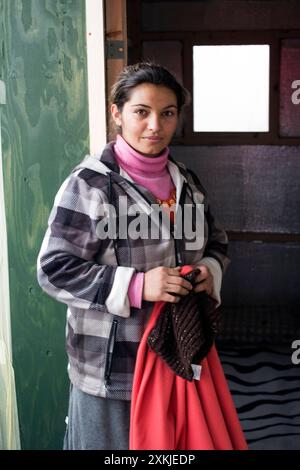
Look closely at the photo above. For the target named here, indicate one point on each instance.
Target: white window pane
(231, 88)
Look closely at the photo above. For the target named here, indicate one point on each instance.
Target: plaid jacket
(92, 275)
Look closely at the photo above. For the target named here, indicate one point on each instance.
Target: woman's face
(148, 119)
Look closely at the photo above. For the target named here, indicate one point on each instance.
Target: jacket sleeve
(66, 266)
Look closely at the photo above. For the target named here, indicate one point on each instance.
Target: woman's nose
(154, 123)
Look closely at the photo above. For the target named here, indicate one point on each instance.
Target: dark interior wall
(253, 188)
(44, 134)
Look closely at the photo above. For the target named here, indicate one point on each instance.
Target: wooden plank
(264, 237)
(45, 133)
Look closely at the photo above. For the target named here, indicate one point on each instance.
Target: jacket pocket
(110, 352)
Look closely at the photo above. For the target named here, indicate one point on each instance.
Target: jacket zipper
(109, 352)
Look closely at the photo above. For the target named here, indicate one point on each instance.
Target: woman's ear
(116, 115)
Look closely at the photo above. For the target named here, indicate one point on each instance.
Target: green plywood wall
(44, 134)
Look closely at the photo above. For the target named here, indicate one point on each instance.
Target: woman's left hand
(204, 280)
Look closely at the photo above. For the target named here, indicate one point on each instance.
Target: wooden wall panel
(45, 133)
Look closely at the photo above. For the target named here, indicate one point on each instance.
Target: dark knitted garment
(185, 331)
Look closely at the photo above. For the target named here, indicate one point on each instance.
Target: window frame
(189, 39)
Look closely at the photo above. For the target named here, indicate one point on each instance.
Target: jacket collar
(105, 163)
(107, 157)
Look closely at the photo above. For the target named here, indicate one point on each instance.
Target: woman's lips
(153, 138)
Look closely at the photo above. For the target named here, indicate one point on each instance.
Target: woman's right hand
(162, 283)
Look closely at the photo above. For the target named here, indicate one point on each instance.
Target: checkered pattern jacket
(92, 275)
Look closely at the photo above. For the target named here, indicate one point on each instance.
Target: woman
(96, 258)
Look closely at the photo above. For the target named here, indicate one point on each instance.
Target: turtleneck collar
(136, 163)
(150, 172)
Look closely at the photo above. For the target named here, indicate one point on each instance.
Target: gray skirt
(96, 423)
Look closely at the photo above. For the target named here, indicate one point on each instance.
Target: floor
(256, 353)
(265, 386)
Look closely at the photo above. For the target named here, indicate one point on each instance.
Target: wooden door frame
(96, 74)
(115, 50)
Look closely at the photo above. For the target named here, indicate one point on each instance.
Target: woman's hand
(162, 283)
(204, 280)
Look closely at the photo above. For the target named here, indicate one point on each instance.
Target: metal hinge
(115, 49)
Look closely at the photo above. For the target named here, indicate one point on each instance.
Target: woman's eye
(141, 112)
(168, 113)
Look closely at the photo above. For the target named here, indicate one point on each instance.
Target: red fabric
(170, 413)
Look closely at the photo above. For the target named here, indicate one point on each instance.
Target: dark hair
(146, 72)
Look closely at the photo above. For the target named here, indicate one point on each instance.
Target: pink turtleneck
(153, 174)
(150, 172)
